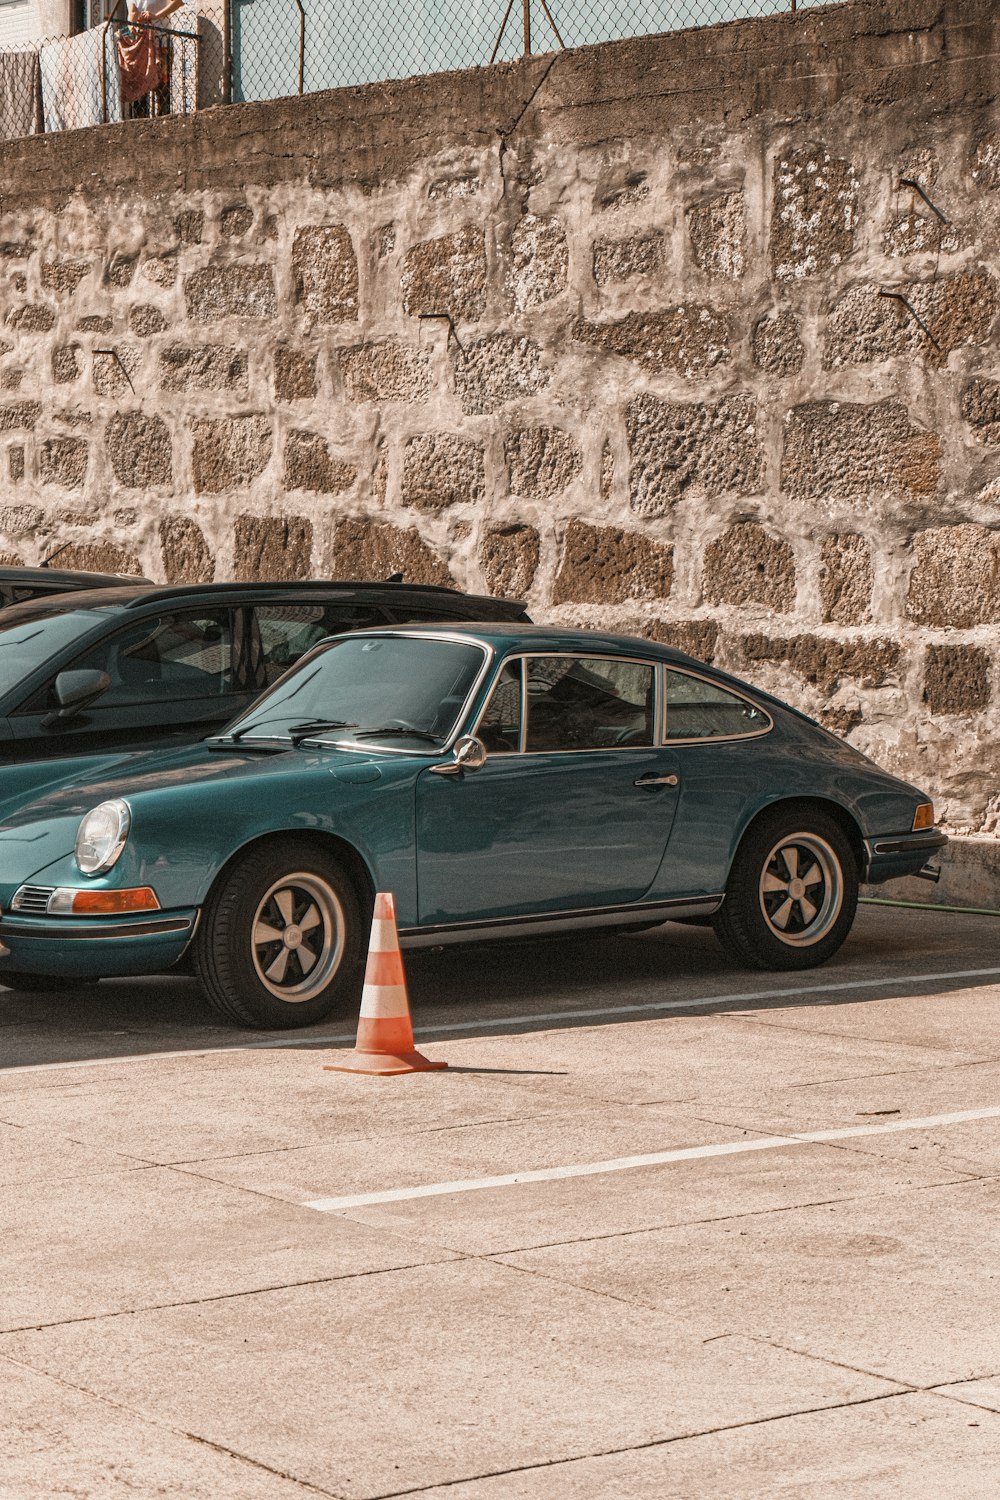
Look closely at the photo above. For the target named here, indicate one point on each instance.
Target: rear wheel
(281, 939)
(792, 892)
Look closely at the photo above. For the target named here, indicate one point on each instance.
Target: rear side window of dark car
(287, 631)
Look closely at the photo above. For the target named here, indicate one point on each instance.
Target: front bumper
(95, 947)
(890, 856)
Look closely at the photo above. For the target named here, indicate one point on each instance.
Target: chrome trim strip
(909, 844)
(68, 930)
(558, 921)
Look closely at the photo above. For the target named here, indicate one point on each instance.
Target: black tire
(30, 984)
(792, 892)
(290, 888)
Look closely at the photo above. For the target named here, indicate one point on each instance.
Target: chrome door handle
(656, 781)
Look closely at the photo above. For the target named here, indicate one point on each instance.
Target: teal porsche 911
(498, 779)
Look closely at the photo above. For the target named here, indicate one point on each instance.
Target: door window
(588, 703)
(500, 727)
(701, 710)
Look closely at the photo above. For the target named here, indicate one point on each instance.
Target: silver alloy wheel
(298, 933)
(801, 889)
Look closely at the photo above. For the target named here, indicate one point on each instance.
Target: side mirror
(469, 754)
(75, 690)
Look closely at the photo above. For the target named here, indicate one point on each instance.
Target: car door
(172, 679)
(573, 807)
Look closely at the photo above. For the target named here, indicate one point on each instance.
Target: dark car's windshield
(27, 644)
(387, 688)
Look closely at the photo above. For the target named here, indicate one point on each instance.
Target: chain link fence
(120, 70)
(282, 47)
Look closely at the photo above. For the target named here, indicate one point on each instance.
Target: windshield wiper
(395, 732)
(299, 732)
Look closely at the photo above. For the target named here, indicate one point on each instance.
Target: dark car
(18, 585)
(121, 669)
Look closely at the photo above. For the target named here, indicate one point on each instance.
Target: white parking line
(488, 1023)
(653, 1159)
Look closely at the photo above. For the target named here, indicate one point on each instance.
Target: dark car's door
(573, 808)
(173, 678)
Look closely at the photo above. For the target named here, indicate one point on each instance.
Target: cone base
(383, 1063)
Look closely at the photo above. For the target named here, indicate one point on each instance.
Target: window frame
(524, 657)
(707, 739)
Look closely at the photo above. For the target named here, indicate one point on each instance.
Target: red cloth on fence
(139, 57)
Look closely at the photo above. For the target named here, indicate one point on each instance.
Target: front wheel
(281, 939)
(792, 893)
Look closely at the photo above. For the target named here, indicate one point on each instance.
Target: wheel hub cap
(801, 889)
(297, 937)
(292, 936)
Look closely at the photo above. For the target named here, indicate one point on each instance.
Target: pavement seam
(252, 1291)
(664, 1442)
(154, 1422)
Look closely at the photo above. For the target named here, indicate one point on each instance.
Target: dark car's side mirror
(74, 691)
(469, 754)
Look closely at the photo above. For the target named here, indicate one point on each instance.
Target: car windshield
(27, 644)
(405, 689)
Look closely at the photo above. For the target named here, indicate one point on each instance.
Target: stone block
(294, 375)
(956, 577)
(275, 548)
(373, 549)
(139, 450)
(114, 370)
(240, 290)
(63, 275)
(748, 565)
(309, 465)
(204, 367)
(718, 232)
(10, 380)
(607, 471)
(981, 408)
(501, 368)
(19, 414)
(508, 556)
(539, 261)
(955, 310)
(385, 240)
(235, 221)
(189, 226)
(120, 270)
(697, 638)
(703, 449)
(619, 260)
(100, 557)
(65, 363)
(840, 718)
(161, 270)
(846, 579)
(20, 520)
(689, 340)
(606, 565)
(94, 323)
(15, 464)
(825, 662)
(815, 213)
(440, 470)
(857, 453)
(541, 462)
(447, 275)
(386, 371)
(325, 272)
(984, 160)
(35, 317)
(187, 557)
(919, 232)
(63, 461)
(229, 453)
(957, 679)
(775, 344)
(144, 321)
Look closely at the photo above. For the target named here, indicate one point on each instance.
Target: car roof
(503, 634)
(134, 595)
(67, 578)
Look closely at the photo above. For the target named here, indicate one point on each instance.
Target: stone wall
(692, 336)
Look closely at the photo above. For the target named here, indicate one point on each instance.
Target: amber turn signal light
(102, 903)
(924, 816)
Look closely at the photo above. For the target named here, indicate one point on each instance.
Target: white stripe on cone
(384, 1002)
(384, 938)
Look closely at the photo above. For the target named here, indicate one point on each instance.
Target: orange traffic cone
(385, 1034)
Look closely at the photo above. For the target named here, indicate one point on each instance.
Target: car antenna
(55, 554)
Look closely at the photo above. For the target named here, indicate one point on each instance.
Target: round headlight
(102, 836)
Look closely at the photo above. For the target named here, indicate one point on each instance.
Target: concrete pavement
(759, 1318)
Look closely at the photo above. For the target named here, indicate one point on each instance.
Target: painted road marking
(653, 1159)
(433, 1030)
